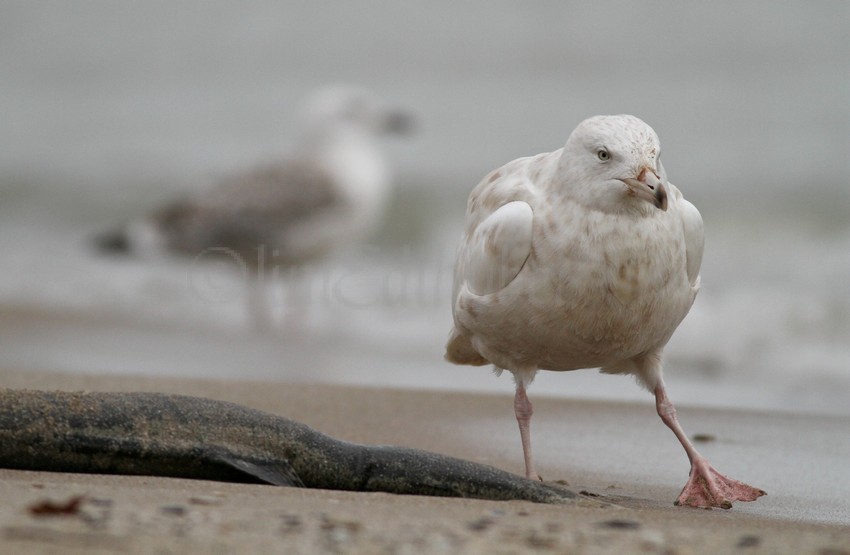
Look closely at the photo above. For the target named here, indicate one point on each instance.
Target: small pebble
(619, 524)
(537, 541)
(481, 524)
(48, 507)
(749, 541)
(553, 527)
(173, 510)
(205, 500)
(290, 524)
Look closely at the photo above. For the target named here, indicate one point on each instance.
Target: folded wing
(694, 240)
(497, 249)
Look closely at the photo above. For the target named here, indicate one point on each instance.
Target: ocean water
(108, 109)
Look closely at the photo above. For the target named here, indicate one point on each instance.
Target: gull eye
(603, 155)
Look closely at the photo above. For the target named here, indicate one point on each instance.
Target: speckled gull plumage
(585, 257)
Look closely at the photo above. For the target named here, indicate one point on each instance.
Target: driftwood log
(190, 437)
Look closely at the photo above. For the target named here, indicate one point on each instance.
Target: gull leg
(706, 487)
(524, 410)
(296, 301)
(257, 305)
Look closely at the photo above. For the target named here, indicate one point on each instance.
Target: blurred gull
(330, 191)
(586, 257)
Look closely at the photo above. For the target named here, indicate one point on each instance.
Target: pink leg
(524, 410)
(706, 487)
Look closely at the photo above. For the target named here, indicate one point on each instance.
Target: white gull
(585, 257)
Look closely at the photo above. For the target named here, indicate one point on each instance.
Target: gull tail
(459, 350)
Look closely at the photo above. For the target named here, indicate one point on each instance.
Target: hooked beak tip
(661, 197)
(650, 190)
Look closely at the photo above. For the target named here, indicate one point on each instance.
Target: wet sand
(618, 452)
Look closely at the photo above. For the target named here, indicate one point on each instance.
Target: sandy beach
(616, 452)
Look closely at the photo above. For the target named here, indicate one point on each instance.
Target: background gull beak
(399, 122)
(648, 187)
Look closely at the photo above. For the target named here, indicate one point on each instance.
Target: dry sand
(619, 452)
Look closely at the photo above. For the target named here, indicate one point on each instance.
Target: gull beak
(648, 187)
(398, 122)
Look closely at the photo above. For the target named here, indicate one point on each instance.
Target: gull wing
(251, 209)
(694, 240)
(496, 250)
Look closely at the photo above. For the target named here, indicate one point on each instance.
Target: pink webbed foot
(708, 488)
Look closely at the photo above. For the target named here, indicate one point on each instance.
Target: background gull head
(348, 106)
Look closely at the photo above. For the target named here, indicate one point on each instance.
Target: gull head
(353, 107)
(620, 154)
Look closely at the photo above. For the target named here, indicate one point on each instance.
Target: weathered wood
(190, 437)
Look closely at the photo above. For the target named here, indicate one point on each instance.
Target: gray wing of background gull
(292, 209)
